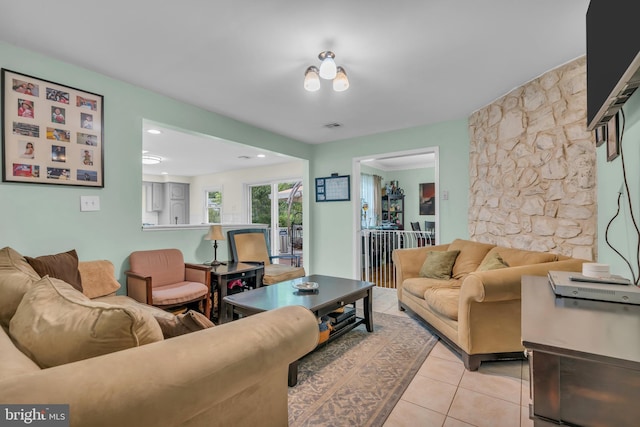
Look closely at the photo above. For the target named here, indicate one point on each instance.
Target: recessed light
(154, 131)
(262, 156)
(164, 173)
(151, 160)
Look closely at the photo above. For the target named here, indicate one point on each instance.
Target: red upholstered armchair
(162, 278)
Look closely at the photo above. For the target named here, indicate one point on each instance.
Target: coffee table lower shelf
(333, 293)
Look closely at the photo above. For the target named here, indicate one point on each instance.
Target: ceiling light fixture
(328, 68)
(311, 79)
(154, 131)
(151, 160)
(341, 82)
(328, 71)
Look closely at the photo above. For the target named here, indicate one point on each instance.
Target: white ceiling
(409, 62)
(404, 162)
(189, 154)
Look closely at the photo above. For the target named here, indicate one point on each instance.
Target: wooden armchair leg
(207, 307)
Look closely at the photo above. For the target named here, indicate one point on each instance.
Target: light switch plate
(89, 203)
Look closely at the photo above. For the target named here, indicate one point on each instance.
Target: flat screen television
(613, 57)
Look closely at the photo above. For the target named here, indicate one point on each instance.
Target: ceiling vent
(332, 125)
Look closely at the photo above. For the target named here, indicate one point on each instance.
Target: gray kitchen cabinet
(176, 204)
(154, 192)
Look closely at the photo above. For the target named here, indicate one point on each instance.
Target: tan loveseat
(477, 310)
(228, 375)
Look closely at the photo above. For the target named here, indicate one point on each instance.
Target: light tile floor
(445, 394)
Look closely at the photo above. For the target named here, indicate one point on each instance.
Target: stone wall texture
(533, 167)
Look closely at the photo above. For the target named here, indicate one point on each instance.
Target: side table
(584, 358)
(222, 274)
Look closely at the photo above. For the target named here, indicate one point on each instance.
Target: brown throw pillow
(63, 266)
(185, 323)
(493, 261)
(439, 264)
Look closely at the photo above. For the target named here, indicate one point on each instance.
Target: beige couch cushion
(98, 278)
(493, 261)
(14, 362)
(438, 264)
(517, 257)
(63, 266)
(443, 300)
(55, 324)
(16, 277)
(170, 324)
(471, 255)
(417, 286)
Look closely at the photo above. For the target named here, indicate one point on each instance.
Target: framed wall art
(601, 135)
(51, 133)
(427, 192)
(334, 188)
(613, 143)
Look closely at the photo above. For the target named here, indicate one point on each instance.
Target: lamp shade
(311, 79)
(328, 68)
(341, 82)
(215, 233)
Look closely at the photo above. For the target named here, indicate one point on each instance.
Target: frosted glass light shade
(328, 67)
(341, 82)
(151, 160)
(311, 79)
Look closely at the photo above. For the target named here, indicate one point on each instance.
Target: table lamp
(215, 234)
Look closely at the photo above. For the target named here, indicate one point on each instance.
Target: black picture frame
(600, 135)
(613, 142)
(334, 188)
(51, 133)
(427, 198)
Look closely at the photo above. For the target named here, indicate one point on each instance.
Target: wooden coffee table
(332, 294)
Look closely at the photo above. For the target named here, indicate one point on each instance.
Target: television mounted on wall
(613, 57)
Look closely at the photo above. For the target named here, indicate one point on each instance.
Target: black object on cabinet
(393, 209)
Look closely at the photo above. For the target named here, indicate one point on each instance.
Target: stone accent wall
(533, 167)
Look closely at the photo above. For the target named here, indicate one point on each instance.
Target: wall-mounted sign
(334, 188)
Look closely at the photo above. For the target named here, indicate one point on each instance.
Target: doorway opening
(388, 190)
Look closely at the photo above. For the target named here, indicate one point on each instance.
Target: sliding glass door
(278, 205)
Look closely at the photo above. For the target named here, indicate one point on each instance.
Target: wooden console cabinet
(584, 358)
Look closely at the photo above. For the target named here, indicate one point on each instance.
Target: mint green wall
(622, 233)
(409, 181)
(332, 231)
(44, 219)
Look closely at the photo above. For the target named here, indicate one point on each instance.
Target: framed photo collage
(51, 134)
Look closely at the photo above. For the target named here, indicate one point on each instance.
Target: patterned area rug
(357, 379)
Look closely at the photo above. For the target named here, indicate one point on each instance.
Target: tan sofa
(231, 374)
(477, 310)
